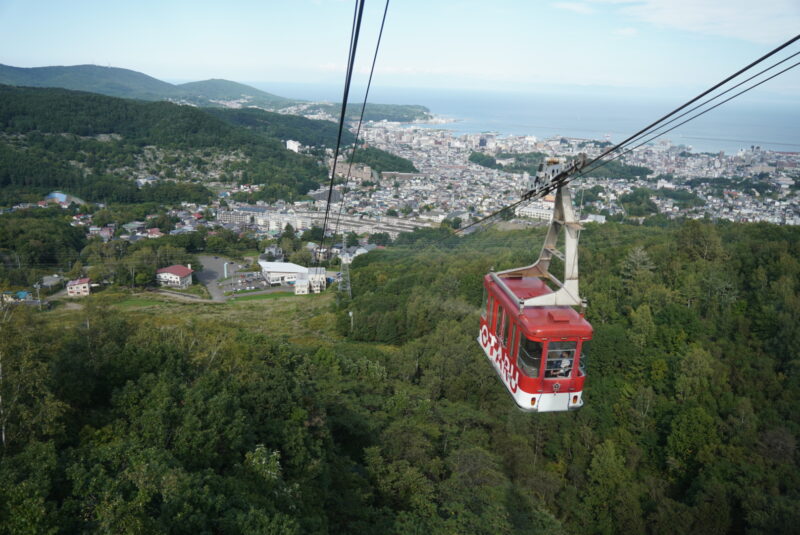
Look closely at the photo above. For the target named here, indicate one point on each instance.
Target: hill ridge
(128, 83)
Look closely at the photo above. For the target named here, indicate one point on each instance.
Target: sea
(755, 119)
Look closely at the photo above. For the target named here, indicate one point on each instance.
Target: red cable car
(529, 331)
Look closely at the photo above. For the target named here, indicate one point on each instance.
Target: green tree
(692, 440)
(380, 238)
(301, 257)
(613, 498)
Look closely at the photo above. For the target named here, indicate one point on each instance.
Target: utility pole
(2, 407)
(6, 315)
(344, 283)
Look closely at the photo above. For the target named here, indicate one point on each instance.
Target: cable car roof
(547, 322)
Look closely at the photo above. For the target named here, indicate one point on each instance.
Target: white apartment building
(281, 272)
(537, 210)
(312, 281)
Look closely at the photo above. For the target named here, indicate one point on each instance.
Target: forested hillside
(142, 416)
(309, 132)
(92, 146)
(374, 112)
(125, 83)
(380, 160)
(690, 423)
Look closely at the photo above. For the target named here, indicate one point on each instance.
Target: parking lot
(244, 281)
(225, 279)
(219, 275)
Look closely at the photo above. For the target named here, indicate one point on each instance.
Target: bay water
(757, 118)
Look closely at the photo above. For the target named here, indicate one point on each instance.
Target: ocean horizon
(755, 119)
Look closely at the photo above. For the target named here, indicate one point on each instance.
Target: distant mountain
(215, 93)
(109, 81)
(402, 113)
(125, 83)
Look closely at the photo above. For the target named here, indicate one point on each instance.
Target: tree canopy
(381, 414)
(93, 145)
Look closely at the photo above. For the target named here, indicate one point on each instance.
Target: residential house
(15, 297)
(146, 181)
(175, 276)
(106, 233)
(79, 287)
(134, 227)
(275, 252)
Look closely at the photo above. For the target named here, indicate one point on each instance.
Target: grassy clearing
(195, 289)
(138, 302)
(250, 253)
(306, 320)
(243, 292)
(261, 297)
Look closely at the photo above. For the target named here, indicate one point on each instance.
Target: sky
(617, 46)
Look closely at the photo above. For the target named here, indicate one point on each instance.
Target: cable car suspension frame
(567, 293)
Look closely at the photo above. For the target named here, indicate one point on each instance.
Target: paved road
(213, 271)
(58, 295)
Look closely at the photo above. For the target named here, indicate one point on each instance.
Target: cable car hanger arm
(557, 180)
(567, 292)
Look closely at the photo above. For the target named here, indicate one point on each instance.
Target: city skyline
(510, 45)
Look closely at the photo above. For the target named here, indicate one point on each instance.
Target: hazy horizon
(659, 45)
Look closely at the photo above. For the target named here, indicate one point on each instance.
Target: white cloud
(766, 21)
(626, 32)
(331, 66)
(575, 7)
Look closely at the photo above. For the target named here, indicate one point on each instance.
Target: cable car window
(530, 357)
(503, 332)
(512, 339)
(560, 356)
(487, 300)
(583, 361)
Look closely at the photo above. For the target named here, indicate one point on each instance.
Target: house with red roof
(176, 276)
(79, 287)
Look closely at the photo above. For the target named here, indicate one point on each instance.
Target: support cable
(361, 119)
(565, 178)
(348, 78)
(601, 164)
(712, 99)
(698, 97)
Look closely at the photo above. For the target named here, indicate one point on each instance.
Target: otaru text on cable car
(529, 328)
